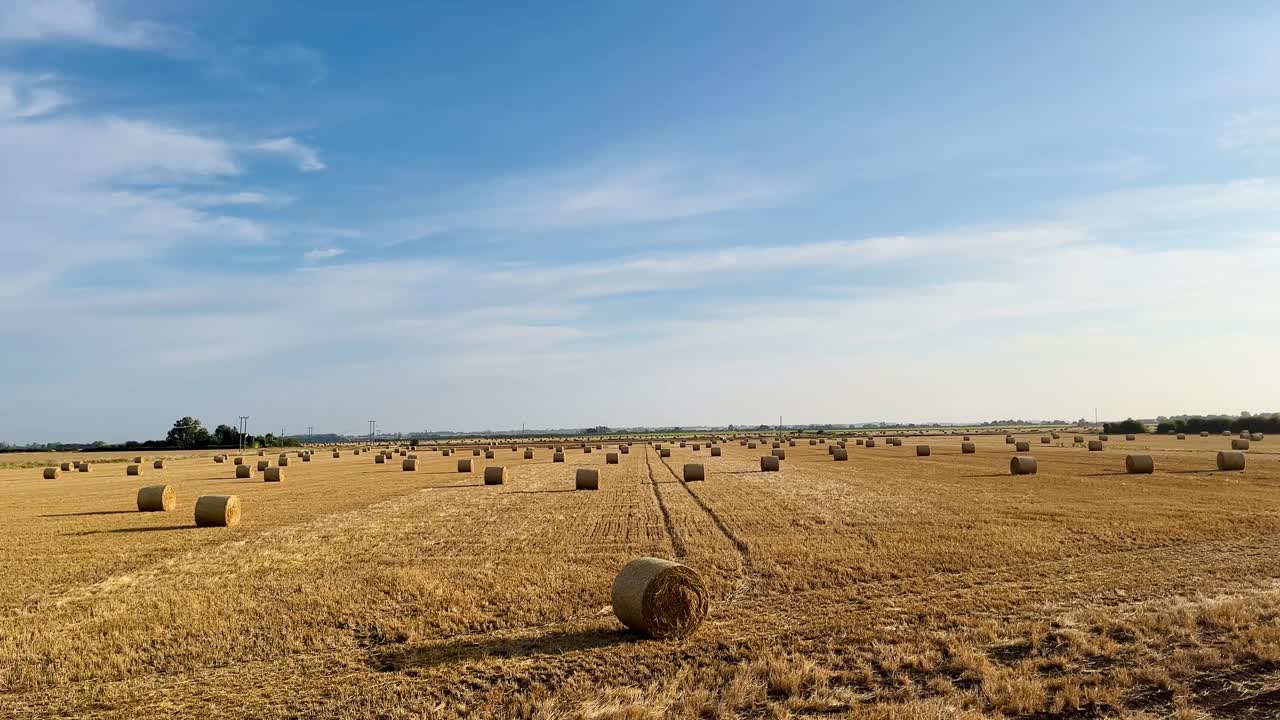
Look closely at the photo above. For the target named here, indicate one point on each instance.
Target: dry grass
(882, 587)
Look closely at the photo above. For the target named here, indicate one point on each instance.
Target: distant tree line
(1124, 427)
(1219, 423)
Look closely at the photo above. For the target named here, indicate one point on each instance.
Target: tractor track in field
(677, 542)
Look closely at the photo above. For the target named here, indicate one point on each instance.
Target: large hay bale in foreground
(52, 473)
(409, 464)
(218, 510)
(243, 471)
(611, 458)
(694, 472)
(1139, 464)
(157, 498)
(1022, 446)
(923, 451)
(840, 455)
(133, 470)
(716, 452)
(1023, 465)
(586, 479)
(968, 448)
(1230, 460)
(1238, 444)
(273, 474)
(464, 465)
(1095, 446)
(660, 598)
(769, 463)
(495, 475)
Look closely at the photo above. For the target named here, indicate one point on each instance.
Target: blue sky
(473, 216)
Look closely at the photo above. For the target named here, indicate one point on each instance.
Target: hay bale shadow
(90, 513)
(403, 659)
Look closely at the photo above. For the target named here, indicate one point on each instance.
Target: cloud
(306, 159)
(77, 21)
(28, 96)
(323, 254)
(1168, 203)
(1251, 131)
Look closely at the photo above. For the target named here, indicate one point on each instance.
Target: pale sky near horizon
(472, 216)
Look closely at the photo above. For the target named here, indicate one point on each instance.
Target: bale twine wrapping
(558, 456)
(769, 463)
(157, 498)
(715, 452)
(923, 451)
(611, 458)
(1095, 446)
(133, 470)
(660, 598)
(52, 473)
(840, 455)
(968, 448)
(586, 479)
(464, 465)
(664, 452)
(218, 510)
(693, 472)
(1230, 460)
(1238, 444)
(1022, 446)
(780, 454)
(1023, 465)
(495, 475)
(409, 464)
(1139, 464)
(273, 474)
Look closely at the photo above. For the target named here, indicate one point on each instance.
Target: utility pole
(309, 429)
(373, 429)
(244, 429)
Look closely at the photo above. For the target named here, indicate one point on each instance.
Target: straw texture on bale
(1139, 464)
(133, 470)
(611, 458)
(1023, 465)
(495, 475)
(694, 472)
(586, 479)
(923, 451)
(158, 465)
(273, 474)
(52, 473)
(664, 452)
(243, 471)
(968, 448)
(409, 464)
(660, 598)
(558, 456)
(769, 463)
(715, 452)
(263, 465)
(218, 510)
(780, 454)
(156, 498)
(1230, 460)
(840, 454)
(283, 460)
(1022, 446)
(380, 459)
(1238, 444)
(1095, 445)
(464, 465)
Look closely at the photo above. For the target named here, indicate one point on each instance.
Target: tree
(226, 435)
(187, 433)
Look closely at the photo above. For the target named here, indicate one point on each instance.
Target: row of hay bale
(210, 510)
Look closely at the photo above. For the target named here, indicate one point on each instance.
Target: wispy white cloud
(323, 254)
(78, 21)
(27, 96)
(1165, 203)
(306, 158)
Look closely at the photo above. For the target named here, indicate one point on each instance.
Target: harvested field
(883, 586)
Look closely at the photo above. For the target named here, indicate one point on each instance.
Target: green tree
(187, 432)
(226, 435)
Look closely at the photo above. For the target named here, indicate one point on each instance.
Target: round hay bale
(791, 443)
(139, 459)
(380, 459)
(1226, 433)
(475, 452)
(1104, 438)
(1022, 446)
(697, 447)
(813, 442)
(897, 442)
(966, 438)
(664, 452)
(586, 479)
(1095, 446)
(1055, 436)
(445, 452)
(1230, 460)
(751, 446)
(219, 458)
(831, 449)
(67, 467)
(682, 445)
(52, 473)
(1045, 439)
(263, 465)
(273, 474)
(862, 441)
(769, 463)
(84, 467)
(660, 598)
(133, 470)
(1244, 435)
(558, 456)
(586, 450)
(464, 465)
(1078, 439)
(871, 442)
(624, 449)
(306, 458)
(409, 464)
(1238, 444)
(1023, 465)
(780, 454)
(1130, 437)
(495, 475)
(157, 465)
(528, 454)
(243, 471)
(742, 442)
(1009, 440)
(694, 472)
(715, 452)
(840, 455)
(1256, 437)
(1183, 436)
(488, 455)
(157, 498)
(218, 510)
(283, 460)
(923, 451)
(777, 445)
(238, 461)
(611, 458)
(1204, 433)
(337, 454)
(968, 448)
(1139, 464)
